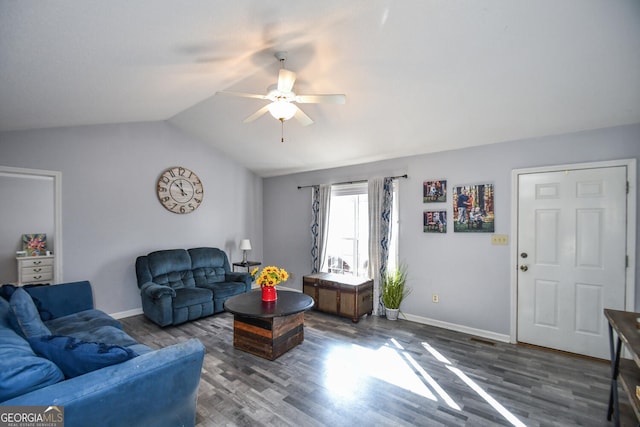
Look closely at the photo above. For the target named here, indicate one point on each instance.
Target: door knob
(524, 267)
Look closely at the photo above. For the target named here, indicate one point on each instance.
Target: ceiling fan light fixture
(282, 110)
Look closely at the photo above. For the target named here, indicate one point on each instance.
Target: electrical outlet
(499, 239)
(435, 298)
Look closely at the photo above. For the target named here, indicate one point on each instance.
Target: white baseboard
(458, 328)
(412, 318)
(128, 313)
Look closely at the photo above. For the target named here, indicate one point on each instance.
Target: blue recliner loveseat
(178, 285)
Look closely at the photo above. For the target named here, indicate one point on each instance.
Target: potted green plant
(394, 290)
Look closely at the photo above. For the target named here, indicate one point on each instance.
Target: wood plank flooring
(383, 373)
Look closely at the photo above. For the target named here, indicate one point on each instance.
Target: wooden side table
(249, 265)
(627, 371)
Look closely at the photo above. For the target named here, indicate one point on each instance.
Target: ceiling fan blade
(286, 79)
(322, 99)
(241, 94)
(302, 117)
(257, 114)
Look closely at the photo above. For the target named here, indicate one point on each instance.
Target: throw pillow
(21, 371)
(26, 314)
(75, 357)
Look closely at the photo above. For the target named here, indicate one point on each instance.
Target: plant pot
(392, 313)
(269, 293)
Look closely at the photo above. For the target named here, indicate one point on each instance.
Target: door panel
(572, 248)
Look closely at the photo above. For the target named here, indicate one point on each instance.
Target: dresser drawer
(45, 269)
(36, 262)
(37, 277)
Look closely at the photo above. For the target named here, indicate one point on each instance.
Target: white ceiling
(420, 75)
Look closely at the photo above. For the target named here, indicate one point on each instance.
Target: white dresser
(35, 269)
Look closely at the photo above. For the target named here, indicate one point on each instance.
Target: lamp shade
(282, 110)
(245, 245)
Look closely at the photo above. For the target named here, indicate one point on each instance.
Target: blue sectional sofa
(178, 285)
(57, 350)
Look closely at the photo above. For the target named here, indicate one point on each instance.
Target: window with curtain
(348, 231)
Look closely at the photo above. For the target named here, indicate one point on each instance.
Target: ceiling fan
(283, 98)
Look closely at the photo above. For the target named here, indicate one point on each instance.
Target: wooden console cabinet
(346, 296)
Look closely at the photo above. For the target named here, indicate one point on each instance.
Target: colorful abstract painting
(34, 244)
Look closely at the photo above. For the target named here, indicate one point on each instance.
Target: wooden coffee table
(268, 329)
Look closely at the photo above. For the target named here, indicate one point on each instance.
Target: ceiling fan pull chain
(281, 130)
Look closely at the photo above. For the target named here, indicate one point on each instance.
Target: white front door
(571, 257)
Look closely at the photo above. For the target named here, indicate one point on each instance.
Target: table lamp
(245, 245)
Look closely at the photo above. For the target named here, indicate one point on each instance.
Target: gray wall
(110, 211)
(471, 276)
(27, 207)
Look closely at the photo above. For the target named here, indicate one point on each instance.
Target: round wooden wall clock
(180, 190)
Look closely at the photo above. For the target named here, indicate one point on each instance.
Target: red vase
(269, 293)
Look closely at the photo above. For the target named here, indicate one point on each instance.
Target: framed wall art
(434, 221)
(434, 191)
(34, 244)
(473, 208)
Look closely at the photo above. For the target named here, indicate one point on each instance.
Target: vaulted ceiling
(420, 75)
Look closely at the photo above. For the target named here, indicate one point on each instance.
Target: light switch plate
(499, 239)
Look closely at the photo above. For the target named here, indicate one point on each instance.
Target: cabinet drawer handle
(37, 277)
(37, 270)
(37, 262)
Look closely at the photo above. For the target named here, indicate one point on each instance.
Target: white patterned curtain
(380, 208)
(320, 204)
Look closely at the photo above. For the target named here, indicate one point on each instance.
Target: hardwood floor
(383, 373)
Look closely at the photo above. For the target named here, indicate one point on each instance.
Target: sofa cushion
(27, 315)
(75, 357)
(105, 334)
(21, 371)
(171, 267)
(208, 257)
(225, 290)
(209, 265)
(83, 321)
(191, 296)
(208, 275)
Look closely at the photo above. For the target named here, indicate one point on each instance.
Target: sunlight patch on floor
(348, 367)
(474, 386)
(432, 382)
(486, 396)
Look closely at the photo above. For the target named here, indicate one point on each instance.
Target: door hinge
(626, 261)
(627, 187)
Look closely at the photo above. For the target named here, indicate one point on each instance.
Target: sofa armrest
(159, 388)
(156, 291)
(239, 277)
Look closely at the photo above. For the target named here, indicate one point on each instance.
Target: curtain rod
(353, 182)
